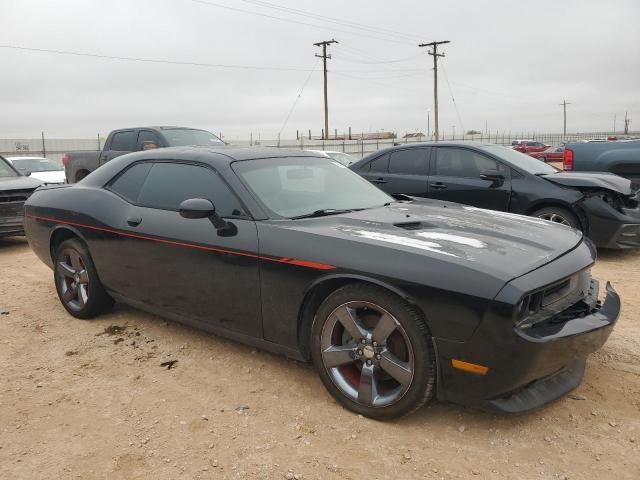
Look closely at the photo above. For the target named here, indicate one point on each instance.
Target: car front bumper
(610, 228)
(526, 368)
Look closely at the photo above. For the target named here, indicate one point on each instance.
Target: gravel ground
(89, 399)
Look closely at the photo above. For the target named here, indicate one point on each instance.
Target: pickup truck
(79, 164)
(619, 157)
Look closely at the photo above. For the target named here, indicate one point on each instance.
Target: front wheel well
(317, 294)
(582, 218)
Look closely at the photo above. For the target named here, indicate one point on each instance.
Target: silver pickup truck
(79, 164)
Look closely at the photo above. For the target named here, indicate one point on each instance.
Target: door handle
(438, 186)
(379, 181)
(134, 221)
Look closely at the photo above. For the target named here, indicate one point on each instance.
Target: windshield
(5, 169)
(344, 158)
(296, 186)
(36, 164)
(188, 137)
(521, 160)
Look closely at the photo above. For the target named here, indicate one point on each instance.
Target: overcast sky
(509, 64)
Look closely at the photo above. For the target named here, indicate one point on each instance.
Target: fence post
(99, 147)
(44, 150)
(278, 140)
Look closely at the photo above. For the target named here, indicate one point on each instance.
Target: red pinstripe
(288, 261)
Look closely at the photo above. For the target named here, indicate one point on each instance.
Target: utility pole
(614, 123)
(435, 54)
(324, 58)
(627, 121)
(564, 106)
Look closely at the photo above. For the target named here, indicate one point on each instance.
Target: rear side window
(460, 162)
(168, 184)
(123, 141)
(380, 164)
(129, 184)
(409, 161)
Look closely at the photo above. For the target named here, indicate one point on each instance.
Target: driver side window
(165, 185)
(461, 162)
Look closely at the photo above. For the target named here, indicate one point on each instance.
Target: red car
(529, 146)
(551, 154)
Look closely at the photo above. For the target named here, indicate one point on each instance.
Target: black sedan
(394, 302)
(15, 188)
(602, 205)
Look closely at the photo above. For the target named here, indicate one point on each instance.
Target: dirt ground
(81, 399)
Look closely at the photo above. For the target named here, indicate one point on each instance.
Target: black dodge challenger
(603, 205)
(394, 302)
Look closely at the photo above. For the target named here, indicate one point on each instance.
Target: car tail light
(567, 159)
(65, 159)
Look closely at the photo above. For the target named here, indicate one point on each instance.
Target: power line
(178, 62)
(150, 60)
(382, 84)
(334, 20)
(455, 105)
(295, 102)
(290, 20)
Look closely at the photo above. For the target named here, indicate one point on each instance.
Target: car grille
(558, 301)
(15, 196)
(12, 204)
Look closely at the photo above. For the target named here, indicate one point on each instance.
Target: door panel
(194, 272)
(455, 177)
(178, 265)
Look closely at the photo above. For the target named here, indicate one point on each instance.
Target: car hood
(502, 244)
(49, 177)
(18, 183)
(598, 180)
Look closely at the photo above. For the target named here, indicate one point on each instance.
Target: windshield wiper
(322, 213)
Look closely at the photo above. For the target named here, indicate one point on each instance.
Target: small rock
(597, 458)
(462, 428)
(205, 469)
(406, 456)
(594, 413)
(354, 436)
(613, 424)
(288, 475)
(632, 440)
(576, 396)
(211, 445)
(475, 472)
(547, 438)
(435, 470)
(204, 417)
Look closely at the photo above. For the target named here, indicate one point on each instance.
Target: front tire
(373, 352)
(558, 215)
(77, 282)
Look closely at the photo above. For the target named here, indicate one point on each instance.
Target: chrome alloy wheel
(554, 217)
(72, 279)
(367, 354)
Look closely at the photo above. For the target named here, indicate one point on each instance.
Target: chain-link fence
(359, 146)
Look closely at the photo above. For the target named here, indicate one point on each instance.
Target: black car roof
(479, 145)
(218, 157)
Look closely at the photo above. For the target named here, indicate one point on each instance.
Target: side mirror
(203, 208)
(25, 172)
(493, 176)
(149, 145)
(197, 208)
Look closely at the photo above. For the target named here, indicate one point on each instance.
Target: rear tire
(77, 282)
(559, 215)
(542, 159)
(373, 352)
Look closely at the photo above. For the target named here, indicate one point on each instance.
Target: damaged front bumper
(530, 365)
(612, 228)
